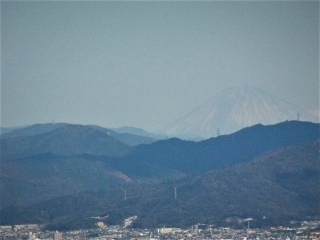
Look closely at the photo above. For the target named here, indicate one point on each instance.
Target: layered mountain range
(233, 109)
(61, 175)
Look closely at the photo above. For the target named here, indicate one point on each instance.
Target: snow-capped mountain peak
(233, 109)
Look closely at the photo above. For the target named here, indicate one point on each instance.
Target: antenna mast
(248, 220)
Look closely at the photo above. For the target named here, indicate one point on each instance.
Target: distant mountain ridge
(32, 130)
(9, 129)
(197, 157)
(36, 167)
(139, 132)
(126, 138)
(129, 138)
(66, 140)
(233, 109)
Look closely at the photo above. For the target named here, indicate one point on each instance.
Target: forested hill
(198, 157)
(274, 188)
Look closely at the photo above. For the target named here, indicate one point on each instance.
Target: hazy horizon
(146, 64)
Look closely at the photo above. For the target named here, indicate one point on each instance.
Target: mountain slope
(66, 140)
(78, 150)
(282, 184)
(139, 132)
(232, 110)
(33, 130)
(130, 139)
(4, 130)
(198, 157)
(45, 161)
(36, 178)
(277, 186)
(126, 138)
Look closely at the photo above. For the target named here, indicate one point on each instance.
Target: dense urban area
(302, 230)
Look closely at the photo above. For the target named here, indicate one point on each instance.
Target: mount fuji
(233, 109)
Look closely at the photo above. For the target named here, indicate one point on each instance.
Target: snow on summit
(233, 109)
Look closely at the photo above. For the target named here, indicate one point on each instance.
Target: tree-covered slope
(277, 186)
(199, 157)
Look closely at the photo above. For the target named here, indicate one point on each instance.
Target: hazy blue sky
(146, 64)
